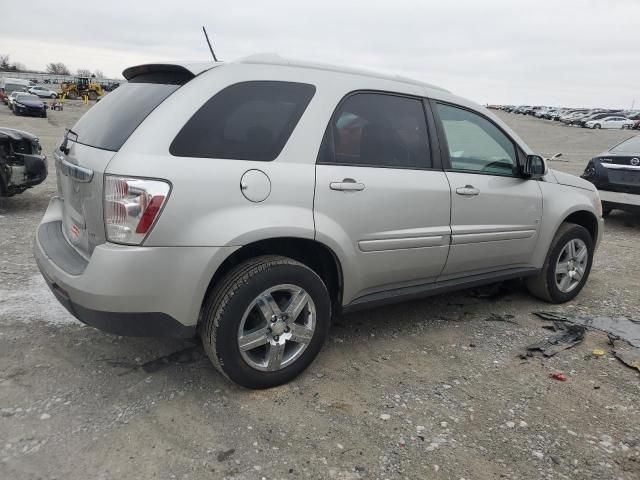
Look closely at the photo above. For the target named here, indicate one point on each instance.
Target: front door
(495, 213)
(380, 202)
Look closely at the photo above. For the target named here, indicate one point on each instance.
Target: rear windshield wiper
(63, 146)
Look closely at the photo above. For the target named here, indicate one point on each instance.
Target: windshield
(27, 98)
(631, 145)
(109, 123)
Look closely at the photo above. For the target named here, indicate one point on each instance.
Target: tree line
(54, 68)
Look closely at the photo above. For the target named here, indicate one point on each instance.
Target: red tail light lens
(131, 207)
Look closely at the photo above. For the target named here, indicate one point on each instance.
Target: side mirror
(535, 167)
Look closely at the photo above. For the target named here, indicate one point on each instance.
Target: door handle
(347, 185)
(468, 191)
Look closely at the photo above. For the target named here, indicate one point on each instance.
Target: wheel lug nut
(268, 330)
(286, 329)
(276, 337)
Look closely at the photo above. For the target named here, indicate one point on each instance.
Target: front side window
(245, 121)
(476, 144)
(378, 130)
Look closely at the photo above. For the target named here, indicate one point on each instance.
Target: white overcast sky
(555, 52)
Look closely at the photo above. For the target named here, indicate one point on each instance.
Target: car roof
(273, 59)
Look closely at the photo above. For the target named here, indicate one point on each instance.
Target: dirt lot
(428, 389)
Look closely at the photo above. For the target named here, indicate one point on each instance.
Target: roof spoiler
(189, 70)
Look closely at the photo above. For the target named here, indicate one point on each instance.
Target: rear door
(495, 213)
(382, 200)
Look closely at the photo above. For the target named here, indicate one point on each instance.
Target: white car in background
(43, 92)
(610, 122)
(12, 98)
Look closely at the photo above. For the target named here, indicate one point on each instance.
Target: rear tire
(53, 96)
(548, 284)
(92, 95)
(242, 338)
(597, 126)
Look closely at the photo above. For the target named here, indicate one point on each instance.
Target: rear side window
(245, 121)
(110, 122)
(377, 130)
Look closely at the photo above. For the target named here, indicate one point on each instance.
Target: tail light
(131, 207)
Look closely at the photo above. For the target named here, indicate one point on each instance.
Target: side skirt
(421, 291)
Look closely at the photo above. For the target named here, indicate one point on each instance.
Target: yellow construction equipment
(81, 87)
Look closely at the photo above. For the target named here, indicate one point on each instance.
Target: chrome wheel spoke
(268, 306)
(301, 334)
(298, 301)
(275, 353)
(562, 268)
(581, 256)
(565, 282)
(252, 340)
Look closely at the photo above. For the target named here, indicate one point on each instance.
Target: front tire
(266, 321)
(597, 126)
(566, 267)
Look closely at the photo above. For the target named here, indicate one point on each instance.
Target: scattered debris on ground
(622, 327)
(569, 336)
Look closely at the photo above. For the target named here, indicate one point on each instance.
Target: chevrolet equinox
(249, 202)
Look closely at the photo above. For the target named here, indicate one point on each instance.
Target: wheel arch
(585, 219)
(315, 255)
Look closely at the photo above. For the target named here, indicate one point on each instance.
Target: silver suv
(250, 202)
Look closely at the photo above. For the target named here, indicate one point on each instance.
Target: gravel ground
(427, 389)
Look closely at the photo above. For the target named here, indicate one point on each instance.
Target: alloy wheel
(277, 327)
(571, 265)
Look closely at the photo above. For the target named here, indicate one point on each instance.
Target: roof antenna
(209, 43)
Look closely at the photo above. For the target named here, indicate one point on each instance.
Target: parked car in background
(22, 164)
(287, 160)
(43, 92)
(582, 122)
(610, 122)
(9, 85)
(29, 105)
(617, 170)
(11, 98)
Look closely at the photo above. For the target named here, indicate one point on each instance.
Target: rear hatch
(95, 139)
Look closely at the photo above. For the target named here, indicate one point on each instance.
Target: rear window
(109, 123)
(631, 145)
(245, 121)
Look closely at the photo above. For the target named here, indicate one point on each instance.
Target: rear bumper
(132, 291)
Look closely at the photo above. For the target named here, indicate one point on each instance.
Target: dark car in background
(22, 164)
(29, 104)
(617, 170)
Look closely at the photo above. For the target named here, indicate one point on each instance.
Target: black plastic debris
(626, 353)
(622, 327)
(570, 335)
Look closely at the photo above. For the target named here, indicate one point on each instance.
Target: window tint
(246, 121)
(110, 122)
(476, 144)
(378, 130)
